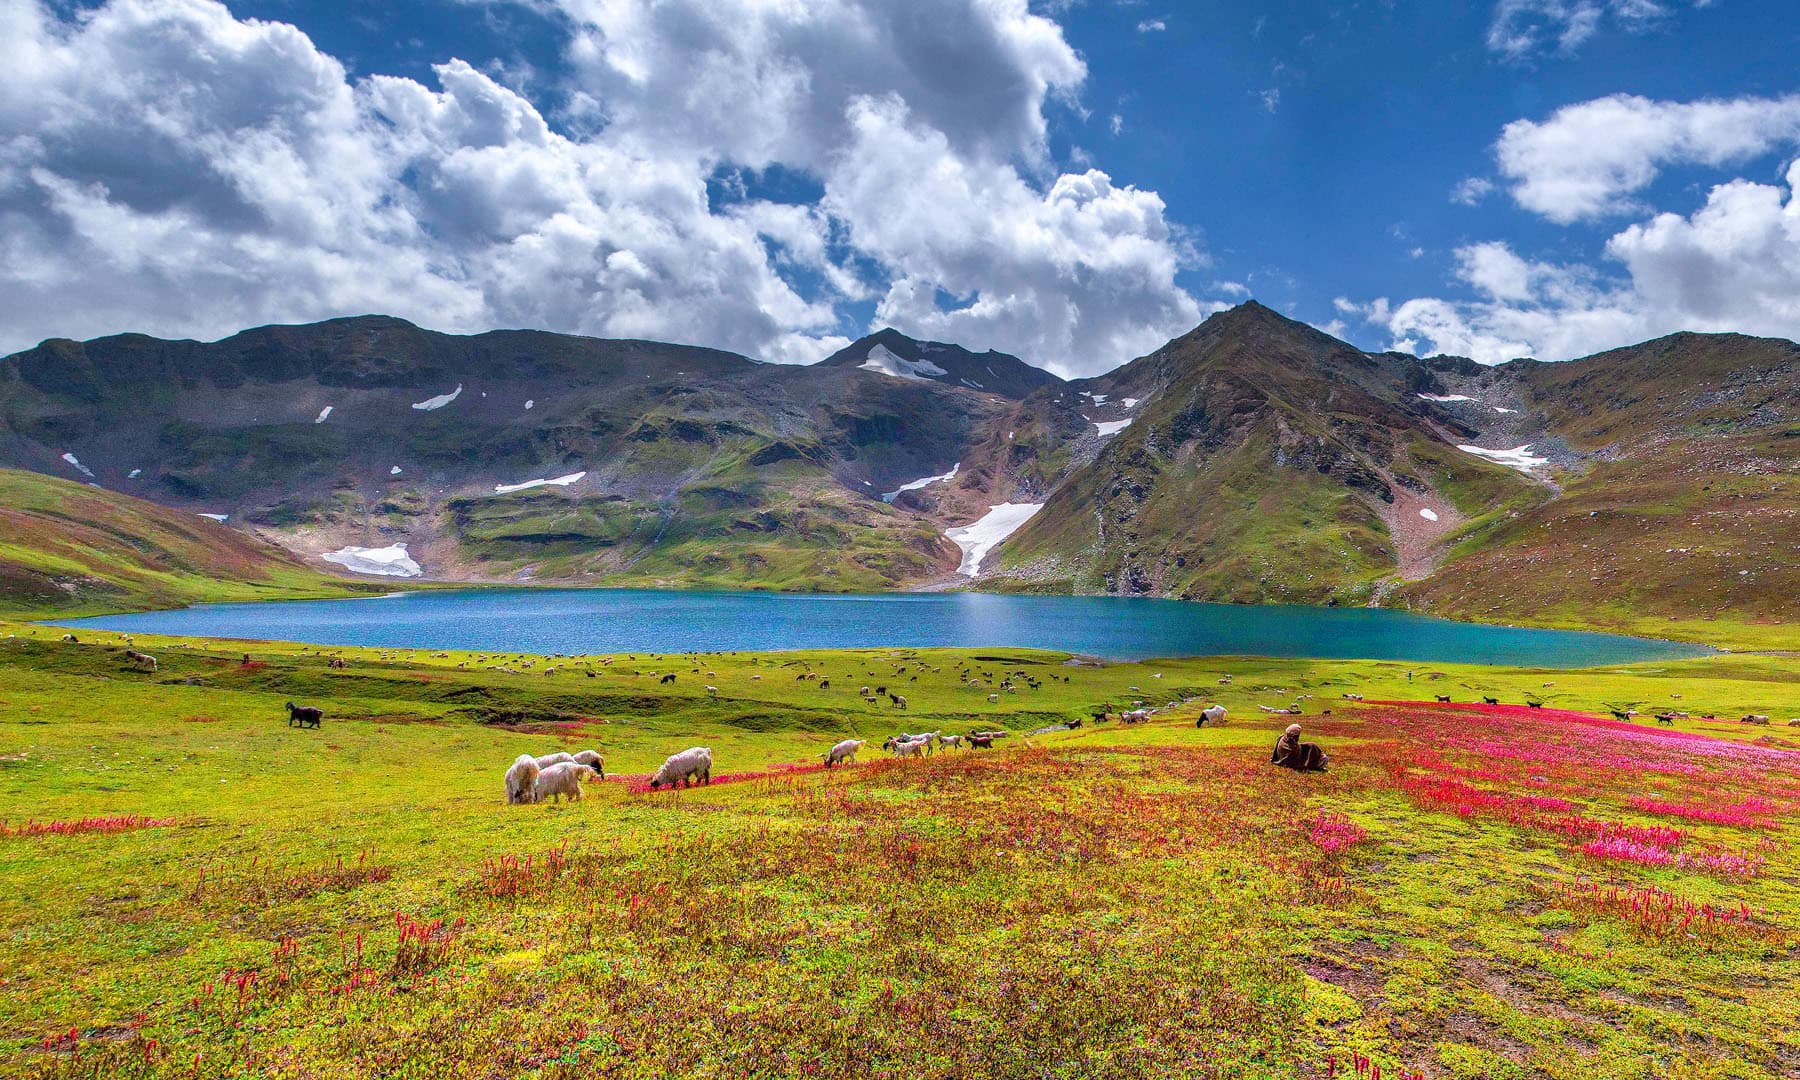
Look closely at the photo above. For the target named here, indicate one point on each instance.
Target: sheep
(993, 699)
(1443, 699)
(1665, 719)
(143, 660)
(950, 740)
(683, 767)
(666, 680)
(519, 780)
(1490, 701)
(899, 700)
(1135, 716)
(712, 691)
(563, 778)
(1212, 714)
(304, 715)
(593, 760)
(864, 691)
(980, 742)
(843, 753)
(1353, 697)
(544, 761)
(72, 639)
(1754, 718)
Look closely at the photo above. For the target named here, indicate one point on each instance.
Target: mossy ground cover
(1468, 892)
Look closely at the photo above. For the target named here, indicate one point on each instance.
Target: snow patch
(1497, 408)
(323, 413)
(1428, 515)
(888, 496)
(968, 382)
(561, 481)
(391, 561)
(980, 537)
(1111, 427)
(134, 474)
(79, 467)
(1445, 397)
(1519, 457)
(221, 518)
(429, 404)
(1130, 402)
(395, 471)
(528, 405)
(887, 362)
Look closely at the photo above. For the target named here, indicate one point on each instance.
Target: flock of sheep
(553, 776)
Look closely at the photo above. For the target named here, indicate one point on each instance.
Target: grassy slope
(1119, 901)
(1698, 542)
(68, 549)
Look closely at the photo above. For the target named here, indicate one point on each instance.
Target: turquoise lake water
(1114, 628)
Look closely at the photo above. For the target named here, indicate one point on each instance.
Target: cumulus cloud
(1470, 191)
(1588, 160)
(226, 172)
(1732, 265)
(1083, 272)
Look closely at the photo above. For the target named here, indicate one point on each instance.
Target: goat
(682, 768)
(1443, 699)
(304, 715)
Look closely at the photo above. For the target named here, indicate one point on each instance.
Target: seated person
(1291, 753)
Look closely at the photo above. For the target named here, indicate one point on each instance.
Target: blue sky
(1074, 182)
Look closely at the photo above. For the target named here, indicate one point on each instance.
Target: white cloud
(1471, 190)
(1588, 160)
(1152, 26)
(1522, 28)
(1270, 98)
(166, 167)
(1081, 274)
(1732, 265)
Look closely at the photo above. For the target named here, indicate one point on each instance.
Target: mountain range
(1253, 459)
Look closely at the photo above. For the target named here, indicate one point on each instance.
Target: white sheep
(593, 760)
(520, 778)
(844, 752)
(682, 768)
(1212, 714)
(544, 761)
(563, 778)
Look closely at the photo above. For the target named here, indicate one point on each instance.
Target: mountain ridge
(1254, 458)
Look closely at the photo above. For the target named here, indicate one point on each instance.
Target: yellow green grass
(1117, 901)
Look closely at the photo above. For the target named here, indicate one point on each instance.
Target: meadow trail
(191, 888)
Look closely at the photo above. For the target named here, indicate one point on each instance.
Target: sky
(1072, 181)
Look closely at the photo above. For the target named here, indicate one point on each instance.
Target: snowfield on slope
(432, 403)
(560, 481)
(1519, 457)
(390, 561)
(982, 536)
(887, 362)
(914, 485)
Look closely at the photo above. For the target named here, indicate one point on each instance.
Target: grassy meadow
(190, 888)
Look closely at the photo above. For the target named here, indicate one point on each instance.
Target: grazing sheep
(712, 691)
(1665, 719)
(1135, 716)
(1533, 704)
(143, 660)
(544, 761)
(519, 780)
(71, 638)
(993, 699)
(980, 742)
(950, 740)
(899, 700)
(843, 753)
(682, 768)
(1443, 699)
(593, 760)
(1754, 718)
(1212, 714)
(563, 778)
(304, 715)
(666, 679)
(1353, 697)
